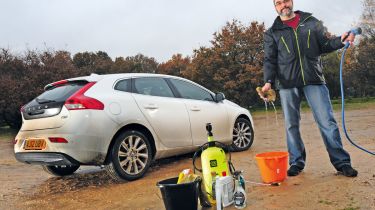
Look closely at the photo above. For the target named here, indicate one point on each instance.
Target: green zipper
(299, 51)
(287, 48)
(308, 40)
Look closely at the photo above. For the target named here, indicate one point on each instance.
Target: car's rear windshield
(59, 93)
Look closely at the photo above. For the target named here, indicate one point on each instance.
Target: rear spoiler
(62, 82)
(85, 79)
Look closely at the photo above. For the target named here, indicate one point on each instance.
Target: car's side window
(191, 91)
(152, 86)
(123, 85)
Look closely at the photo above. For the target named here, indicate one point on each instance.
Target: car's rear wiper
(43, 101)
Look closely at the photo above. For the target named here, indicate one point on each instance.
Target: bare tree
(367, 21)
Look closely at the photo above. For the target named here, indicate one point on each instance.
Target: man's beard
(286, 12)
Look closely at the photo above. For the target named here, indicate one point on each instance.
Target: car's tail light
(79, 101)
(57, 140)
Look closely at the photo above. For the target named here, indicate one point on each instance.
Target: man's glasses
(279, 3)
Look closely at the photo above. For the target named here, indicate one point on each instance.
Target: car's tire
(64, 170)
(130, 156)
(243, 135)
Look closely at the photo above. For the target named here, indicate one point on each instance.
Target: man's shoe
(348, 171)
(294, 170)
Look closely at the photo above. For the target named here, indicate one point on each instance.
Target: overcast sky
(155, 28)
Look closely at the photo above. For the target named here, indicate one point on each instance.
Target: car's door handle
(195, 108)
(151, 106)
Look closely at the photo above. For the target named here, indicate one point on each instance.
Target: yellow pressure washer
(214, 163)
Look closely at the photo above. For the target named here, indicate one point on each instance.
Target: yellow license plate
(35, 144)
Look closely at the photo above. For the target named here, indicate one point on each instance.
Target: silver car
(124, 121)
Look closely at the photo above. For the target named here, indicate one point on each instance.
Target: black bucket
(179, 196)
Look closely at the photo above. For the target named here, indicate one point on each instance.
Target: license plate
(35, 144)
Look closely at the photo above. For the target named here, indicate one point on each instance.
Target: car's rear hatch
(47, 111)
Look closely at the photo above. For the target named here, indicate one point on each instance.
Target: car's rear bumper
(88, 135)
(45, 158)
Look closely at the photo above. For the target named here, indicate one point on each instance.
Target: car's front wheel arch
(244, 117)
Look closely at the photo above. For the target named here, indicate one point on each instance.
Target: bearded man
(293, 46)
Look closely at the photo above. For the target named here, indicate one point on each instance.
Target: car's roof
(97, 77)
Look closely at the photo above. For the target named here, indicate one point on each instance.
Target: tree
(141, 64)
(121, 66)
(85, 59)
(176, 66)
(362, 74)
(233, 64)
(331, 63)
(89, 62)
(135, 64)
(367, 22)
(23, 78)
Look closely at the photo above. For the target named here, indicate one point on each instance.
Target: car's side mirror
(219, 97)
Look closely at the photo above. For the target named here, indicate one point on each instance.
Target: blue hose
(343, 102)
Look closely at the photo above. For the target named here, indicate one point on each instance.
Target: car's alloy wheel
(243, 135)
(63, 170)
(130, 156)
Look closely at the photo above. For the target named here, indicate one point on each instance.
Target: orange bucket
(273, 166)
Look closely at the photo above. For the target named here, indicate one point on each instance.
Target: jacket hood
(278, 23)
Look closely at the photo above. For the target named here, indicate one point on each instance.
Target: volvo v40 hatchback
(125, 121)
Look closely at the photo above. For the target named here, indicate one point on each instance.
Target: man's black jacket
(293, 56)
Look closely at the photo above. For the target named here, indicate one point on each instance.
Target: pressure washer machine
(214, 164)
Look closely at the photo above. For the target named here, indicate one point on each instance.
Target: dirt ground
(318, 187)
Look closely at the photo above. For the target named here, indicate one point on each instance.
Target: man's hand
(349, 38)
(266, 87)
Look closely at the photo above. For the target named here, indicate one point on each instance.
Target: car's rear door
(203, 109)
(166, 114)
